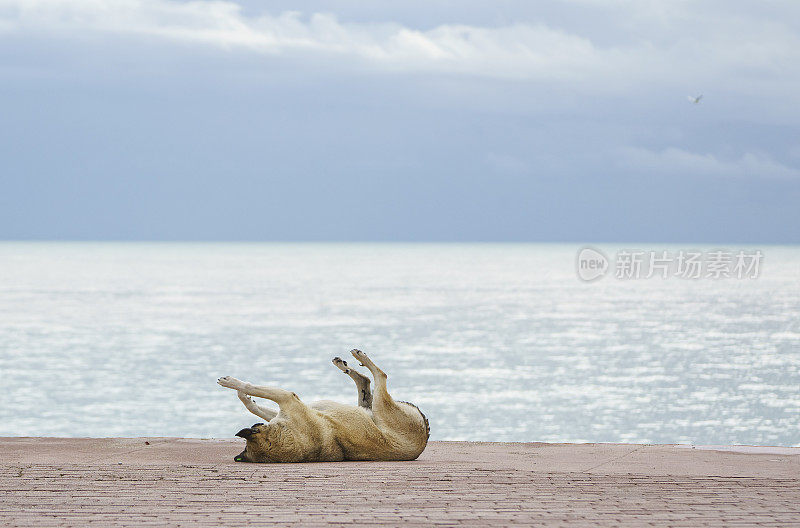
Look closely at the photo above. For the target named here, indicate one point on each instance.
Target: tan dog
(379, 428)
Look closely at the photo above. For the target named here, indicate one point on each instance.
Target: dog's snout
(241, 457)
(256, 425)
(245, 433)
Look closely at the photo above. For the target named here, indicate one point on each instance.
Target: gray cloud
(676, 161)
(675, 43)
(557, 120)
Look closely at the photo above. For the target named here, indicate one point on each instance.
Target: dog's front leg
(261, 412)
(286, 400)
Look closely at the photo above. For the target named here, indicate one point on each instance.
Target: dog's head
(258, 444)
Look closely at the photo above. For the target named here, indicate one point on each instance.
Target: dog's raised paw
(228, 382)
(360, 356)
(341, 364)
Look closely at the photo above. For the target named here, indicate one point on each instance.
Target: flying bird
(695, 99)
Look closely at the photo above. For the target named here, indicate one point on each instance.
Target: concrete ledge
(174, 481)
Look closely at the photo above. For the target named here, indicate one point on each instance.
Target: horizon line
(383, 241)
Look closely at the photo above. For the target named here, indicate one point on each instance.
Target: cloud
(678, 162)
(713, 47)
(512, 51)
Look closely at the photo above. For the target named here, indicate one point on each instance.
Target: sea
(494, 342)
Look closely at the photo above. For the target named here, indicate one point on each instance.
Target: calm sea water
(494, 342)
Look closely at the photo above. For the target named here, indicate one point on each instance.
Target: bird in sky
(695, 99)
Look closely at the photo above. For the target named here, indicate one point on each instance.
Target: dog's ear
(245, 433)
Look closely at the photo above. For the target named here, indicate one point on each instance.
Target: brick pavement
(110, 482)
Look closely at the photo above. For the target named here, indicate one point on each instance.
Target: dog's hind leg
(381, 401)
(362, 382)
(261, 412)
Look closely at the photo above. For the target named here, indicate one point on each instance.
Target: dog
(378, 428)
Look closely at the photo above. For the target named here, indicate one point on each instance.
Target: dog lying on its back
(379, 428)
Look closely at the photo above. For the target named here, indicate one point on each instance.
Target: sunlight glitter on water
(494, 342)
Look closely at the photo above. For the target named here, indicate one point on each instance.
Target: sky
(502, 120)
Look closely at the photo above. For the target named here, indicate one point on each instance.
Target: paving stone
(78, 483)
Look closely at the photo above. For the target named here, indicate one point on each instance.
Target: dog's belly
(354, 429)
